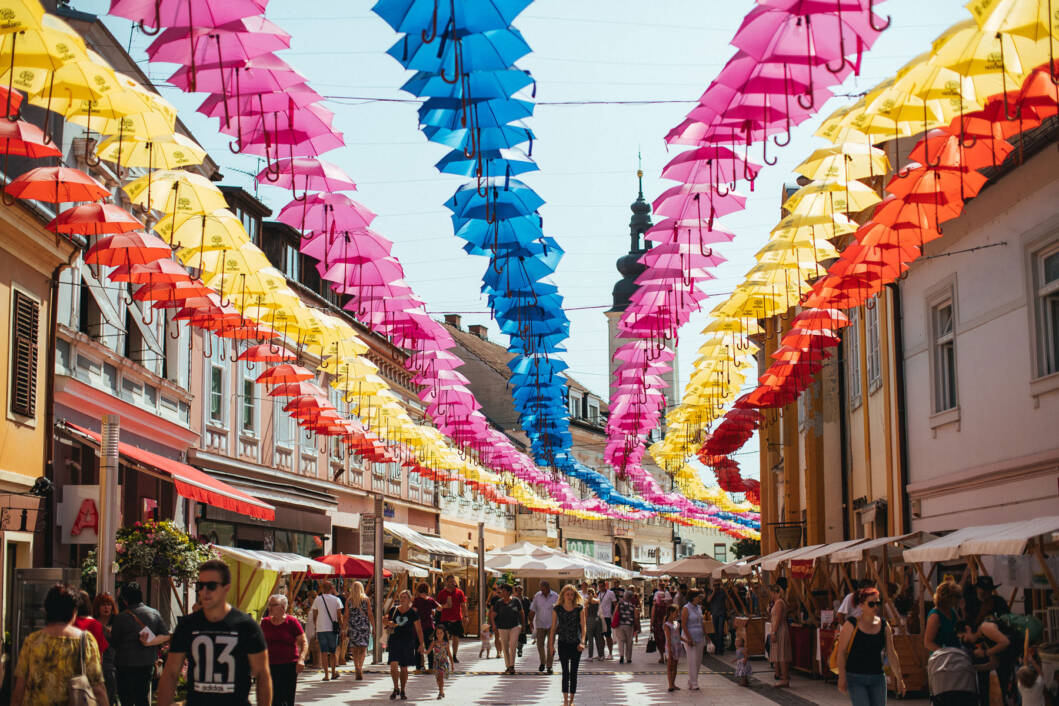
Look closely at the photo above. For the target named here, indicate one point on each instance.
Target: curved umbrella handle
(428, 38)
(871, 18)
(157, 21)
(457, 61)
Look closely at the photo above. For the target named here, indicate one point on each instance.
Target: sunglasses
(872, 604)
(207, 585)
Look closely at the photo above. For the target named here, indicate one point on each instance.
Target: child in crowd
(442, 658)
(742, 662)
(487, 640)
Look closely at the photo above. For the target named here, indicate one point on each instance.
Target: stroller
(951, 678)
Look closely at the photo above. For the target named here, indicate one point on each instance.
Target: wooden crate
(913, 657)
(752, 630)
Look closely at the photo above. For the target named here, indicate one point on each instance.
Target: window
(25, 334)
(720, 552)
(1046, 286)
(852, 343)
(575, 405)
(593, 412)
(871, 321)
(291, 261)
(285, 433)
(944, 355)
(216, 394)
(248, 403)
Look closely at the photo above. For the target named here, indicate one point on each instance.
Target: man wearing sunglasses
(223, 646)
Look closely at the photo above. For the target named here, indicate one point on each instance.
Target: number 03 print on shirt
(213, 662)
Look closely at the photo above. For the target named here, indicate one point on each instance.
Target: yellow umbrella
(831, 197)
(217, 230)
(176, 192)
(221, 265)
(844, 162)
(28, 57)
(819, 225)
(167, 152)
(20, 15)
(802, 252)
(991, 60)
(79, 80)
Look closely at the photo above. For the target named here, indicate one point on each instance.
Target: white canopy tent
(748, 568)
(730, 568)
(773, 561)
(948, 547)
(283, 562)
(437, 547)
(1014, 540)
(856, 551)
(697, 566)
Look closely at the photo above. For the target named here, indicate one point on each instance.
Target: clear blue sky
(590, 50)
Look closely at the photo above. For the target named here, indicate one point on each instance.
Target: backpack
(1017, 627)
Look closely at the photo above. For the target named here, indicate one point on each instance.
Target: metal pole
(110, 433)
(376, 656)
(481, 573)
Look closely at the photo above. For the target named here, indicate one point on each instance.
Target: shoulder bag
(157, 673)
(79, 691)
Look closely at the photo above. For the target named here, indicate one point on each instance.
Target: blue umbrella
(431, 16)
(500, 201)
(461, 53)
(454, 113)
(499, 163)
(471, 140)
(478, 85)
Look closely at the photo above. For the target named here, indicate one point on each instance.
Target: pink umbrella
(314, 175)
(710, 164)
(262, 74)
(185, 13)
(688, 232)
(326, 212)
(218, 105)
(675, 254)
(230, 44)
(356, 246)
(703, 202)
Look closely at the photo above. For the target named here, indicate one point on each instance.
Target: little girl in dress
(742, 662)
(442, 658)
(486, 633)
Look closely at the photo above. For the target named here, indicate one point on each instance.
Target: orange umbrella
(127, 249)
(284, 373)
(22, 139)
(264, 353)
(56, 185)
(156, 272)
(94, 219)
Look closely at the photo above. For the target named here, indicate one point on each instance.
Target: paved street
(642, 683)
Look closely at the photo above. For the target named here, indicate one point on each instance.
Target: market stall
(256, 575)
(699, 566)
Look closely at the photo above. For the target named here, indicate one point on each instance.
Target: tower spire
(639, 170)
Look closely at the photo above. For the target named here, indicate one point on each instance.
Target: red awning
(190, 482)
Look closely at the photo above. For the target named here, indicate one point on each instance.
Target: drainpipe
(843, 438)
(49, 401)
(902, 417)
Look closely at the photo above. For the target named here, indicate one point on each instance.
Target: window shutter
(24, 328)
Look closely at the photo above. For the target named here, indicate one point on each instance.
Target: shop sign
(801, 568)
(665, 555)
(582, 546)
(78, 514)
(605, 552)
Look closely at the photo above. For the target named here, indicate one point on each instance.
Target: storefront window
(220, 533)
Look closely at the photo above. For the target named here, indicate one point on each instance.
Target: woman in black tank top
(860, 646)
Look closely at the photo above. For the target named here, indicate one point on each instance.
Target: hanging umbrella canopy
(175, 191)
(265, 353)
(169, 152)
(153, 14)
(94, 219)
(235, 42)
(56, 185)
(308, 174)
(22, 139)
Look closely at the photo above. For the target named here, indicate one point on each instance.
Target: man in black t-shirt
(223, 646)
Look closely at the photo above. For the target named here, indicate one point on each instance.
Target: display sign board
(367, 534)
(605, 552)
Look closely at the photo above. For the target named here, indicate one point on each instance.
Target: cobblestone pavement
(642, 683)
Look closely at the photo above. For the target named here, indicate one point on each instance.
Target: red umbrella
(285, 373)
(349, 567)
(56, 185)
(94, 219)
(157, 272)
(127, 249)
(22, 139)
(263, 353)
(295, 389)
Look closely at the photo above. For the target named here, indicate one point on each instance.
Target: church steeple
(628, 265)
